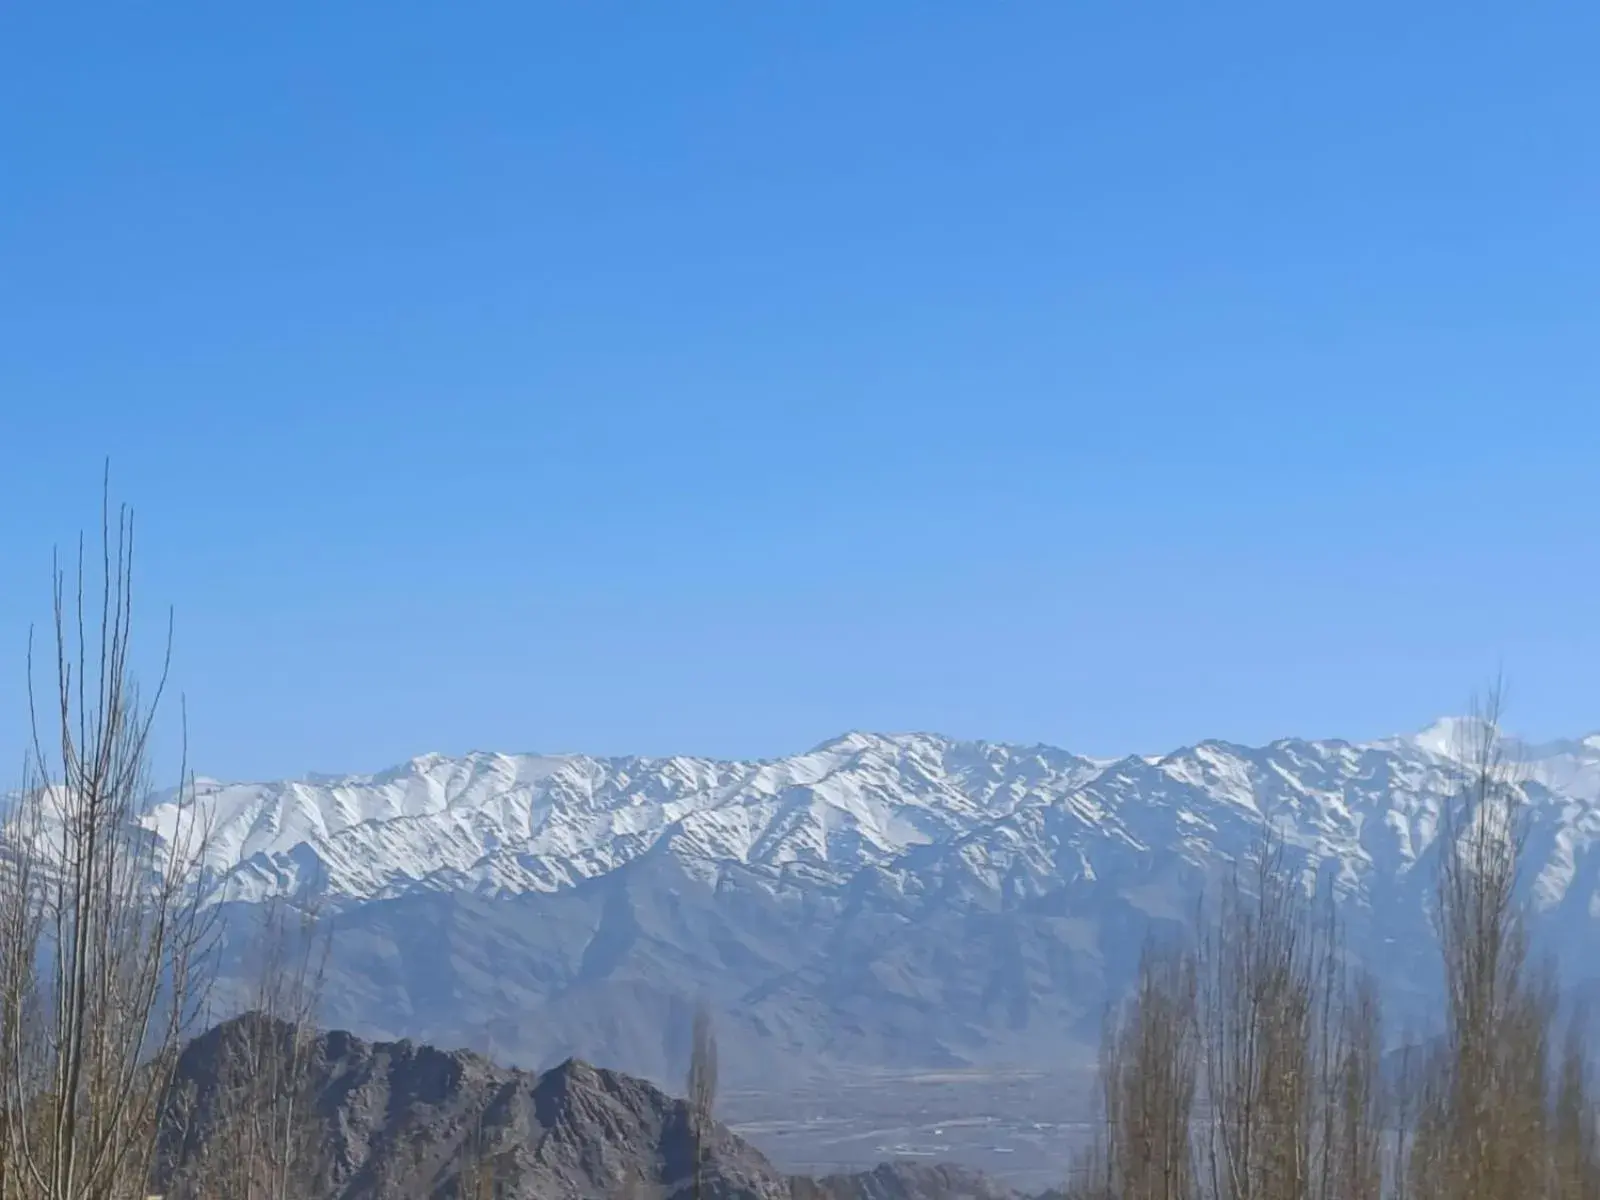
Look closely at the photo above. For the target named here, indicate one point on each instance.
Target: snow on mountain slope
(1005, 817)
(498, 823)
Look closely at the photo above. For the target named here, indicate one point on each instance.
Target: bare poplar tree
(1482, 1134)
(1405, 1093)
(1353, 1152)
(476, 1179)
(1089, 1173)
(1575, 1148)
(702, 1095)
(1259, 962)
(1286, 1040)
(1149, 1070)
(102, 933)
(1297, 1103)
(259, 1137)
(488, 1167)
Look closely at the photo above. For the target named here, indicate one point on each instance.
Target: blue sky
(716, 377)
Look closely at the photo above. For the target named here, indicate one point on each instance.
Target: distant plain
(1018, 1126)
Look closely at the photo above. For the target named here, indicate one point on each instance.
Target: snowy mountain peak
(1452, 737)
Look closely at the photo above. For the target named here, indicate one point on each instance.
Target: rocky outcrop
(400, 1119)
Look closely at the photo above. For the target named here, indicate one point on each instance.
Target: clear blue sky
(715, 377)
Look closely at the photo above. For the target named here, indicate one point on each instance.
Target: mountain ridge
(499, 823)
(877, 902)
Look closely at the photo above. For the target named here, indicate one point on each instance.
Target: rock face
(399, 1119)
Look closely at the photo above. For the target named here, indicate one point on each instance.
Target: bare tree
(1402, 1100)
(1089, 1175)
(1297, 1100)
(1490, 1123)
(1353, 1152)
(1149, 1071)
(1575, 1139)
(1482, 1135)
(1259, 963)
(1407, 1090)
(102, 932)
(489, 1167)
(1286, 1040)
(476, 1179)
(259, 1138)
(702, 1095)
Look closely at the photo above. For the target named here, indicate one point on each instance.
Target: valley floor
(1018, 1127)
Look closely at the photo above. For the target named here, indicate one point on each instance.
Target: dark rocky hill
(400, 1119)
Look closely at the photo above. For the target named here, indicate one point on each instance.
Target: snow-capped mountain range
(494, 824)
(895, 900)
